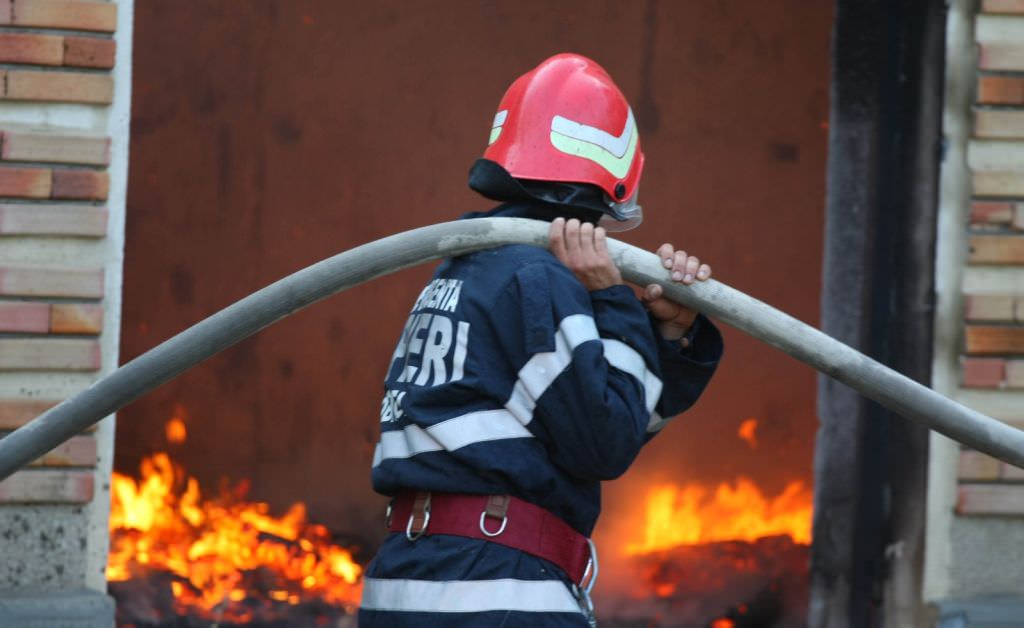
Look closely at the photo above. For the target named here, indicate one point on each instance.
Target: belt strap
(500, 519)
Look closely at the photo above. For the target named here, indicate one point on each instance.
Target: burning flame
(175, 431)
(748, 432)
(689, 514)
(224, 550)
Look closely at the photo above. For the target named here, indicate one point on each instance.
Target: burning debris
(176, 557)
(727, 557)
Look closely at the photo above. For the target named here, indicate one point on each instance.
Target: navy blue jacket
(511, 378)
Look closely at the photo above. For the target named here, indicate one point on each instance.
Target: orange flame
(748, 432)
(175, 431)
(740, 512)
(210, 545)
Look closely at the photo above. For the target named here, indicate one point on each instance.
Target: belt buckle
(409, 533)
(589, 577)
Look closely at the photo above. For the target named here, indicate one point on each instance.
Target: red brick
(81, 184)
(70, 14)
(1002, 6)
(24, 317)
(16, 412)
(996, 249)
(50, 147)
(73, 87)
(25, 182)
(1018, 217)
(989, 307)
(47, 486)
(1000, 90)
(991, 212)
(1001, 56)
(994, 340)
(76, 318)
(990, 499)
(78, 451)
(5, 11)
(31, 48)
(983, 373)
(975, 465)
(51, 282)
(996, 183)
(1011, 473)
(49, 354)
(50, 219)
(89, 52)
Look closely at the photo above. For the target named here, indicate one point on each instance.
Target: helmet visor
(623, 216)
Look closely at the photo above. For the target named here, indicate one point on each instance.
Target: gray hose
(387, 255)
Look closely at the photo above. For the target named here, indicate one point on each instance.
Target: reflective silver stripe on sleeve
(468, 596)
(451, 434)
(626, 359)
(656, 423)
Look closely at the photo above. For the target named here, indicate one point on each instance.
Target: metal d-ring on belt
(501, 519)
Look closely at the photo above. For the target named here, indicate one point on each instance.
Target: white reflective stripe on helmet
(468, 596)
(499, 121)
(617, 146)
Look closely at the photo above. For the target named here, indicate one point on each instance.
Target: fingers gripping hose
(387, 255)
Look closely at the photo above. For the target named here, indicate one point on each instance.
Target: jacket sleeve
(589, 368)
(686, 371)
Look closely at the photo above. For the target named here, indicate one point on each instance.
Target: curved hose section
(393, 253)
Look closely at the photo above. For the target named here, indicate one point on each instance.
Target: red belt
(500, 519)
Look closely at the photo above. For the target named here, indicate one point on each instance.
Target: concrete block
(16, 412)
(1000, 90)
(996, 249)
(990, 499)
(53, 219)
(51, 282)
(977, 466)
(49, 354)
(74, 608)
(43, 546)
(78, 451)
(54, 148)
(983, 372)
(47, 486)
(89, 52)
(24, 317)
(1000, 184)
(999, 124)
(73, 87)
(1015, 373)
(80, 15)
(992, 212)
(989, 307)
(25, 182)
(994, 340)
(76, 318)
(990, 611)
(996, 155)
(31, 48)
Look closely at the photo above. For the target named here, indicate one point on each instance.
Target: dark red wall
(268, 135)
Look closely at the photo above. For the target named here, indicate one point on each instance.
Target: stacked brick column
(64, 89)
(993, 347)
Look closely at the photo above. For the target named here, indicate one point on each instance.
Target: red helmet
(566, 121)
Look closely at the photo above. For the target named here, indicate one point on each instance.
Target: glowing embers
(224, 559)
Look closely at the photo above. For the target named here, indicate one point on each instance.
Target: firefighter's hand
(583, 248)
(674, 320)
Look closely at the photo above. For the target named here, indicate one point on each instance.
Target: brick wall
(975, 535)
(992, 364)
(64, 88)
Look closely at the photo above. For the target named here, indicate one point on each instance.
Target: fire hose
(387, 255)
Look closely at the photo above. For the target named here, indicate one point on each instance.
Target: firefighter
(526, 377)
